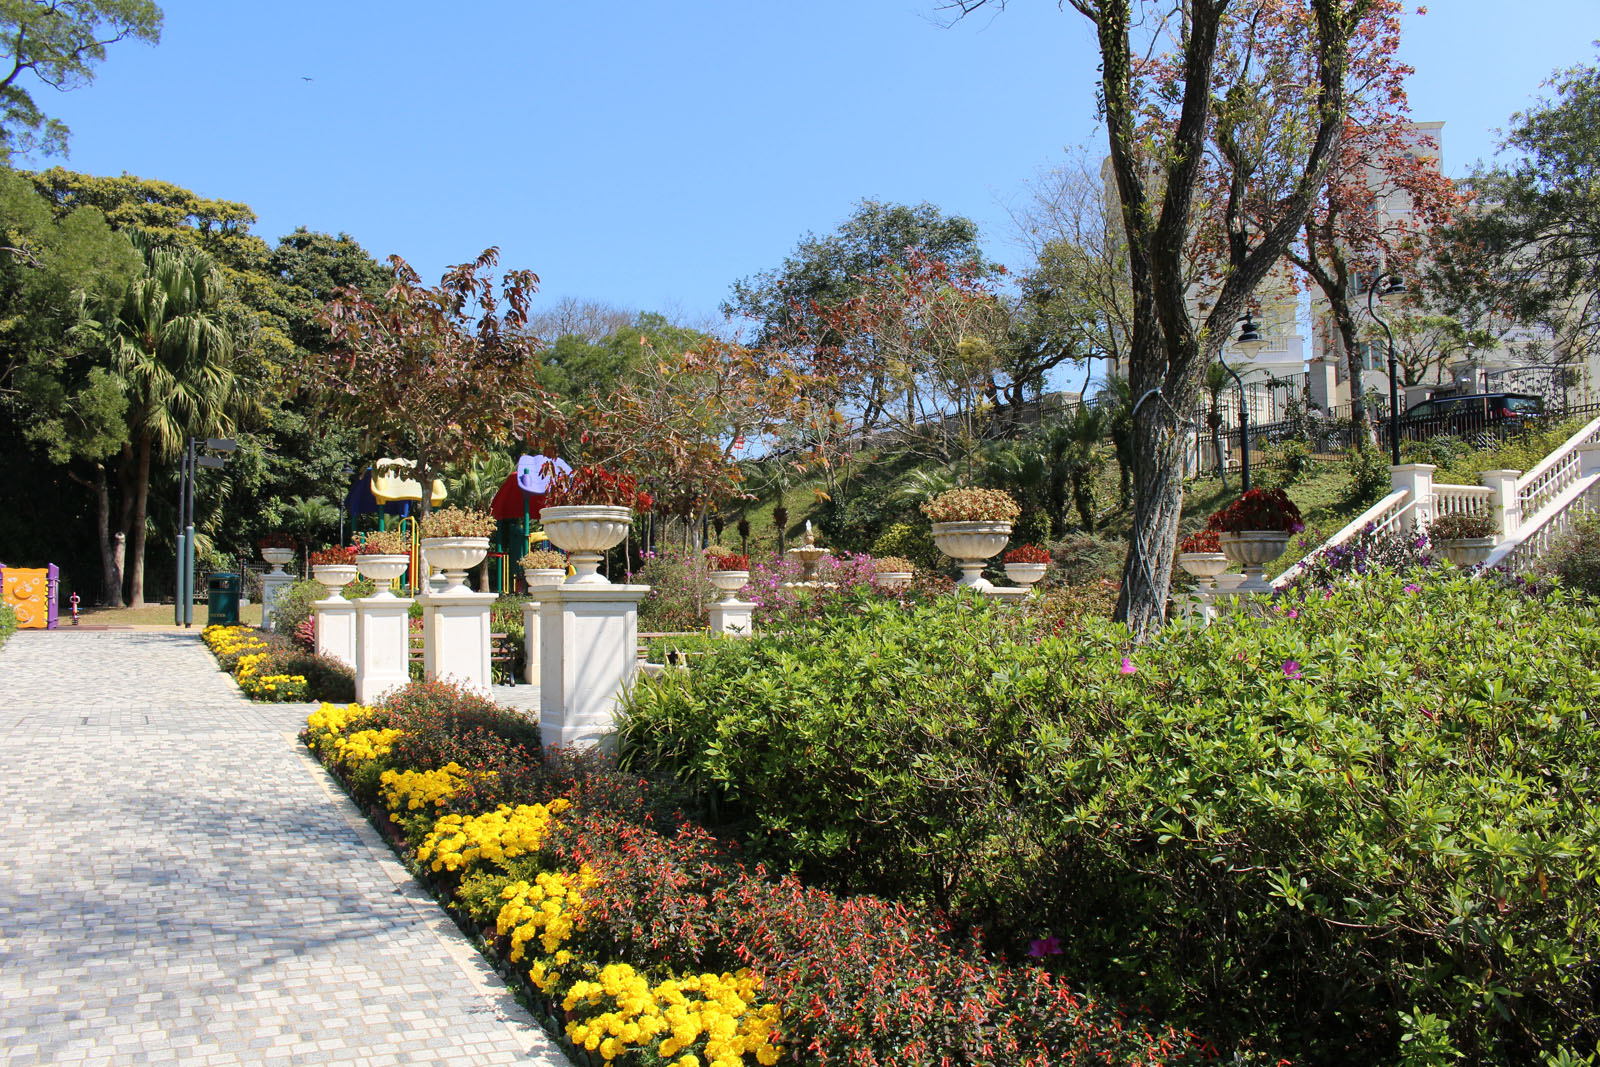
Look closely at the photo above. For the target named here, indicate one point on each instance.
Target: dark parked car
(1473, 415)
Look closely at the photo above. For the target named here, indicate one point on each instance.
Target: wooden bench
(503, 649)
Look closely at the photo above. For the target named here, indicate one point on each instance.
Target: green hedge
(1361, 830)
(8, 623)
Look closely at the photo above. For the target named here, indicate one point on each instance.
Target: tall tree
(57, 43)
(172, 350)
(436, 374)
(1206, 105)
(1529, 251)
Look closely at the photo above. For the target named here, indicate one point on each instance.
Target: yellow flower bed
(415, 790)
(547, 908)
(336, 718)
(250, 653)
(716, 1010)
(364, 745)
(456, 841)
(282, 688)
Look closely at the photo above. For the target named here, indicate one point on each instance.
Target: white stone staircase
(1530, 511)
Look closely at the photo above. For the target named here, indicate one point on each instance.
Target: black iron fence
(1331, 437)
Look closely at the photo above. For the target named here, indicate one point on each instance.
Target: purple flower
(1291, 669)
(1040, 947)
(1413, 587)
(1127, 665)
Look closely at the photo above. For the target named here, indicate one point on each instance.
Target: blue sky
(647, 154)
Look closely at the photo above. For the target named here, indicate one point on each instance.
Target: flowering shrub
(720, 965)
(1281, 830)
(543, 559)
(1026, 554)
(1258, 509)
(384, 543)
(1206, 540)
(1368, 552)
(1455, 527)
(842, 577)
(334, 555)
(1574, 560)
(277, 540)
(596, 486)
(269, 669)
(972, 505)
(892, 565)
(458, 522)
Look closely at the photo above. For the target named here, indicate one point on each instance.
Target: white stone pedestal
(589, 655)
(531, 645)
(733, 617)
(272, 586)
(455, 638)
(383, 646)
(336, 629)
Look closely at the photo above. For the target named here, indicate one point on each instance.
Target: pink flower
(1291, 669)
(1041, 947)
(1127, 665)
(1413, 587)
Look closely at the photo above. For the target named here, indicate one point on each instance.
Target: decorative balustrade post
(589, 645)
(455, 637)
(1504, 507)
(1416, 479)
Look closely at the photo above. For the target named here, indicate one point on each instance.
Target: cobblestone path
(180, 883)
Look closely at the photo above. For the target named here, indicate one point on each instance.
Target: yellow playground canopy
(389, 485)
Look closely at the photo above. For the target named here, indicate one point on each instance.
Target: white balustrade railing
(1550, 478)
(1383, 516)
(1580, 496)
(1461, 499)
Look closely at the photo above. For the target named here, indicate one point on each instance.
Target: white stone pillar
(735, 618)
(590, 654)
(272, 586)
(336, 629)
(1504, 508)
(383, 646)
(532, 650)
(1588, 458)
(1416, 478)
(455, 638)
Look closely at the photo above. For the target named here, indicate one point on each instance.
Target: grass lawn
(154, 615)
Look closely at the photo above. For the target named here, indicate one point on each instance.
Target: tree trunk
(1365, 433)
(110, 551)
(1215, 419)
(1157, 506)
(136, 530)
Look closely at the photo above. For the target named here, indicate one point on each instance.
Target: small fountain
(808, 553)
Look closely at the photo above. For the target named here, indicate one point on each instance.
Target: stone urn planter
(455, 556)
(1026, 574)
(383, 568)
(335, 576)
(1203, 565)
(894, 581)
(730, 582)
(971, 545)
(585, 532)
(277, 557)
(1466, 551)
(1253, 550)
(544, 577)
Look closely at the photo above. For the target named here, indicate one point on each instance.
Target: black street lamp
(1383, 288)
(1249, 342)
(183, 603)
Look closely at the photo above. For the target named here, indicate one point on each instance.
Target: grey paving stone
(183, 886)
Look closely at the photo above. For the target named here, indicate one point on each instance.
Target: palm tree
(173, 350)
(1071, 444)
(1215, 381)
(307, 515)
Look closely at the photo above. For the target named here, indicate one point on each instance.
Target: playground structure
(33, 593)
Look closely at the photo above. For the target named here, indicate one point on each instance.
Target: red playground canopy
(510, 500)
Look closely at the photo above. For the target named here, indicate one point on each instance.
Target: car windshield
(1524, 405)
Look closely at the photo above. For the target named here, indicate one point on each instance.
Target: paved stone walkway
(181, 884)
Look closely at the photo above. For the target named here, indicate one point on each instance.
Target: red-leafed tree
(435, 374)
(1196, 98)
(1355, 228)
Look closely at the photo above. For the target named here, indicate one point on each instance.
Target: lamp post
(1249, 341)
(1383, 288)
(183, 605)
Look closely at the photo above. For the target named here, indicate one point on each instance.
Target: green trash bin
(222, 599)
